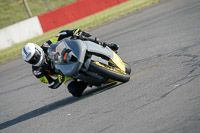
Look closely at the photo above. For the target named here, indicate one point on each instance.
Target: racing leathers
(48, 75)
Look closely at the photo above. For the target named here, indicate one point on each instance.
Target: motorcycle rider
(42, 67)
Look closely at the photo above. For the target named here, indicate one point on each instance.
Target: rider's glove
(55, 84)
(77, 32)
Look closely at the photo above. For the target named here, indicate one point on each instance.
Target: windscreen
(55, 51)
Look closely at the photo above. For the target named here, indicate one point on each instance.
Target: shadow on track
(56, 105)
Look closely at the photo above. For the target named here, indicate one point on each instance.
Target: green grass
(86, 23)
(12, 11)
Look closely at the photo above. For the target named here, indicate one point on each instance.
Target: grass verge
(84, 24)
(13, 11)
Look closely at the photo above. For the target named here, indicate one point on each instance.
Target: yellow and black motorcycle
(89, 62)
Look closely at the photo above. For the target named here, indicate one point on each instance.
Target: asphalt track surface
(162, 45)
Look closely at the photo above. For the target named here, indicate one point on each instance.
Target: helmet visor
(36, 57)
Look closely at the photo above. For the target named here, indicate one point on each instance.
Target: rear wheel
(109, 72)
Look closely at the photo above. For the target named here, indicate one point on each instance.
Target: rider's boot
(76, 88)
(113, 46)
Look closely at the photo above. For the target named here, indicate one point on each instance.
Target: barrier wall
(19, 32)
(73, 12)
(35, 26)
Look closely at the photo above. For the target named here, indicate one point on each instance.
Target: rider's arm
(45, 78)
(61, 35)
(65, 33)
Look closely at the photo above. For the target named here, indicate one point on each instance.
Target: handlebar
(85, 36)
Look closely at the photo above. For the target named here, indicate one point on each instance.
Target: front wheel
(108, 72)
(128, 68)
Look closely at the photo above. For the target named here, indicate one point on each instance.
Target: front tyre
(109, 73)
(128, 68)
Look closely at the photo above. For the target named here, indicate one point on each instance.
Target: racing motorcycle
(87, 61)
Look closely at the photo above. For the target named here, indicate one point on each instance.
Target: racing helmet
(33, 54)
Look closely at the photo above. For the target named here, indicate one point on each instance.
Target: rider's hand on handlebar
(77, 32)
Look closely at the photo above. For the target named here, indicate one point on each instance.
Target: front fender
(118, 62)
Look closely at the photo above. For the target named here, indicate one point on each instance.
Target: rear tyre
(108, 73)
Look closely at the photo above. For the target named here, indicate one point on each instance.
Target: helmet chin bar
(41, 62)
(42, 58)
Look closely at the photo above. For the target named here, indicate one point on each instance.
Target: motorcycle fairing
(79, 51)
(106, 51)
(98, 49)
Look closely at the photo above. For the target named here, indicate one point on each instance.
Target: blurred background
(12, 11)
